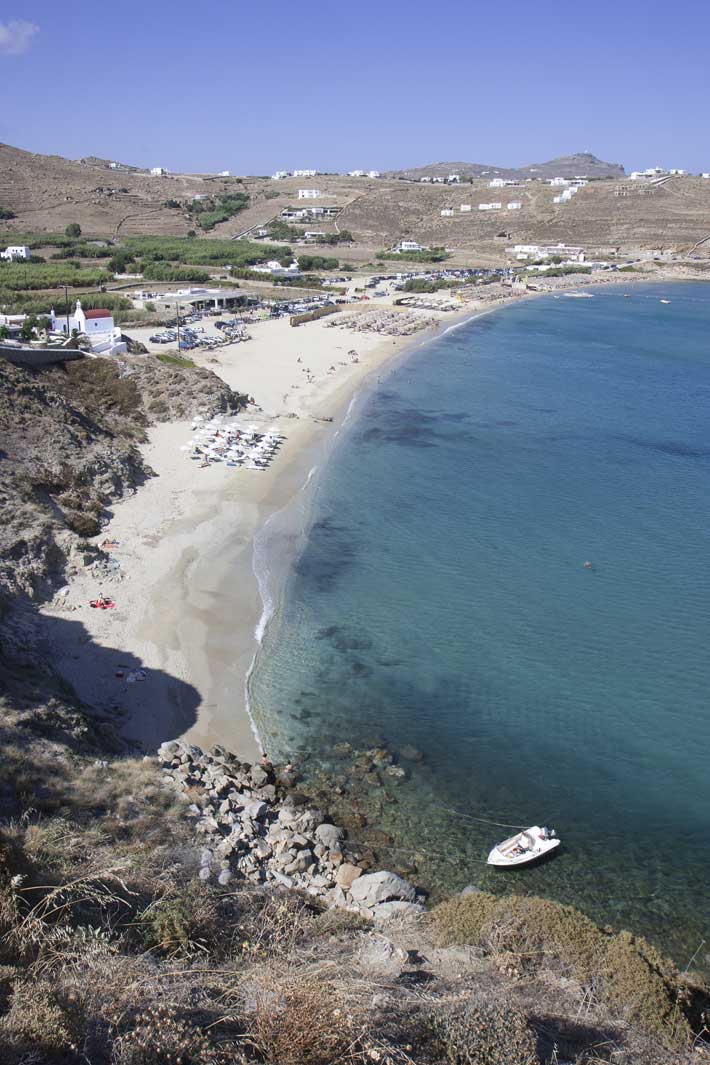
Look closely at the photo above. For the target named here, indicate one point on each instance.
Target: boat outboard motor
(548, 833)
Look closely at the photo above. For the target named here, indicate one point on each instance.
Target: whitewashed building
(706, 176)
(279, 175)
(96, 324)
(465, 208)
(373, 174)
(555, 181)
(275, 269)
(454, 179)
(514, 205)
(15, 253)
(309, 194)
(356, 173)
(158, 171)
(224, 173)
(409, 245)
(489, 206)
(305, 173)
(447, 212)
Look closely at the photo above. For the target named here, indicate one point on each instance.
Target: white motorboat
(527, 846)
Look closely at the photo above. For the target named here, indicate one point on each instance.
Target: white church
(96, 324)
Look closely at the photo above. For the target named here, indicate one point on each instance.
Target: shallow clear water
(439, 599)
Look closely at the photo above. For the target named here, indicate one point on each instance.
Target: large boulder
(329, 835)
(373, 888)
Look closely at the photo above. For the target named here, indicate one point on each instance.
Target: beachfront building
(547, 251)
(309, 194)
(448, 212)
(193, 299)
(490, 206)
(16, 253)
(279, 175)
(305, 173)
(158, 171)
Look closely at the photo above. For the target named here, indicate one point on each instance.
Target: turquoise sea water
(439, 599)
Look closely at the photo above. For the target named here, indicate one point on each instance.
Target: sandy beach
(187, 599)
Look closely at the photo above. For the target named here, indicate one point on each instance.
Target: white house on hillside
(16, 252)
(409, 245)
(279, 175)
(305, 173)
(309, 194)
(448, 212)
(465, 208)
(158, 171)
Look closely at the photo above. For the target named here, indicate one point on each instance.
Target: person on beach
(265, 761)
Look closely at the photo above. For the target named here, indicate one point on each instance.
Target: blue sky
(254, 87)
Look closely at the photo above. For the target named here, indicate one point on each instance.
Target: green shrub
(162, 272)
(429, 255)
(629, 974)
(19, 276)
(182, 923)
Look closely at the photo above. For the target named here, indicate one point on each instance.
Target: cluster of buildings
(281, 174)
(465, 208)
(364, 173)
(305, 214)
(16, 253)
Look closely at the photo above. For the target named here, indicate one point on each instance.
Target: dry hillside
(48, 192)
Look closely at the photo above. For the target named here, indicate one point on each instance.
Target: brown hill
(582, 164)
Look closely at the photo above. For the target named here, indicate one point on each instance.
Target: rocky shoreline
(253, 824)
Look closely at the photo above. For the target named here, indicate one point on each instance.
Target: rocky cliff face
(68, 448)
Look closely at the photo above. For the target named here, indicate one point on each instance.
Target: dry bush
(483, 1033)
(271, 926)
(160, 1036)
(37, 1021)
(300, 1023)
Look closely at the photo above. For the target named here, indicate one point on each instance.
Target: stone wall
(36, 358)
